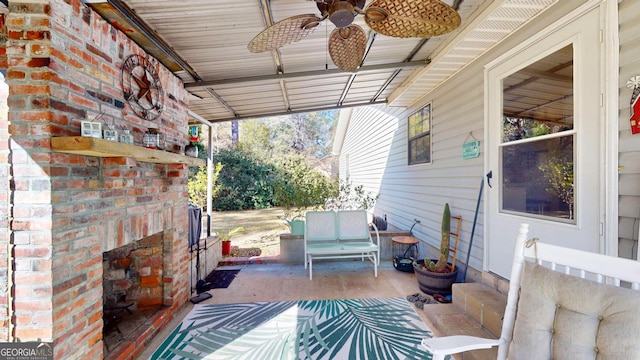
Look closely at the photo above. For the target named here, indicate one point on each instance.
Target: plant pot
(226, 247)
(403, 264)
(191, 150)
(433, 283)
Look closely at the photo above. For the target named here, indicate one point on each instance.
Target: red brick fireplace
(133, 275)
(62, 64)
(132, 284)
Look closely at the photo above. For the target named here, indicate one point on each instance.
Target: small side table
(401, 260)
(400, 241)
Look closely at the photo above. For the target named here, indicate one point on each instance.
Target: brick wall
(62, 66)
(4, 199)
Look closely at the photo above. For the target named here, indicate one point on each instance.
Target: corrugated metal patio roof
(205, 44)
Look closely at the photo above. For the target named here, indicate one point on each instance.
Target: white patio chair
(321, 232)
(354, 234)
(562, 304)
(339, 235)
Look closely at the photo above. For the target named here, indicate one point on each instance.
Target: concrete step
(476, 310)
(482, 303)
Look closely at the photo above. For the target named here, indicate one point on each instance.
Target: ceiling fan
(347, 42)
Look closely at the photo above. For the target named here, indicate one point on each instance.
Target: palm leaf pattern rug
(386, 328)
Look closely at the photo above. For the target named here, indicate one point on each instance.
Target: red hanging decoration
(634, 119)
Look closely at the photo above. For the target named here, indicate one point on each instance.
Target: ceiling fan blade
(411, 18)
(284, 32)
(347, 46)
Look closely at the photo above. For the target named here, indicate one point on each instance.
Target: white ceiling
(205, 44)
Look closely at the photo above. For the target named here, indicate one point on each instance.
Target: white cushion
(564, 317)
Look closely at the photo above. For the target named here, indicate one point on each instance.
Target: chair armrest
(375, 228)
(455, 344)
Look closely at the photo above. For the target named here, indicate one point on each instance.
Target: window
(420, 136)
(539, 138)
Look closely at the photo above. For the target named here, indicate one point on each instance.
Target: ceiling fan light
(344, 32)
(375, 14)
(341, 13)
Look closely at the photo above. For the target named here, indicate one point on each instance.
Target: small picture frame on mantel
(91, 129)
(110, 133)
(126, 138)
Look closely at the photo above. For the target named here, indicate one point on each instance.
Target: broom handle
(473, 230)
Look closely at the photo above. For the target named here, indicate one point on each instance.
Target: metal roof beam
(298, 111)
(267, 17)
(209, 83)
(216, 96)
(126, 15)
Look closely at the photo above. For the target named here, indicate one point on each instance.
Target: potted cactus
(435, 276)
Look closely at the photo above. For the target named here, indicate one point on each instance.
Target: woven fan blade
(347, 46)
(284, 32)
(411, 18)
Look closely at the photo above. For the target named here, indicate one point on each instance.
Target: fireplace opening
(132, 285)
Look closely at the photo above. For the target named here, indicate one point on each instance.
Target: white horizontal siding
(376, 142)
(419, 191)
(629, 157)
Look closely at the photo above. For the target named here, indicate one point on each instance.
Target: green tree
(197, 185)
(259, 138)
(313, 133)
(261, 157)
(308, 134)
(523, 128)
(559, 174)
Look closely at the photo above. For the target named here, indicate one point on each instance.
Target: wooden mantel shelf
(89, 146)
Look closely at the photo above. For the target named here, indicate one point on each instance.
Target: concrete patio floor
(345, 279)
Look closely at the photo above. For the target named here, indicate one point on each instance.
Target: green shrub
(351, 197)
(298, 186)
(245, 183)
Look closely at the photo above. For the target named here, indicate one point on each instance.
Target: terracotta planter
(226, 247)
(433, 283)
